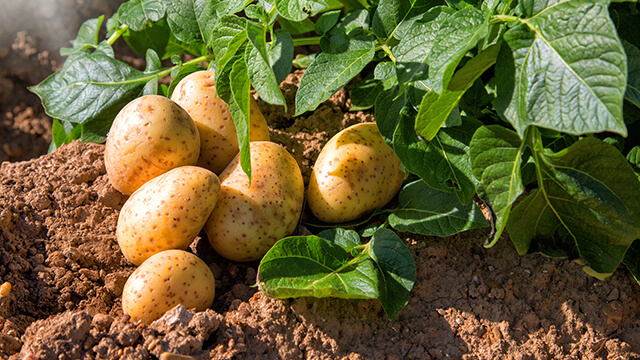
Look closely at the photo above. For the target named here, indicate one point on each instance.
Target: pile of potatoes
(178, 160)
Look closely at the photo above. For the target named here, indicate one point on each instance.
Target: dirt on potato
(58, 251)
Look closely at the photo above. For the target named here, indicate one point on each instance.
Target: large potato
(196, 93)
(167, 212)
(248, 220)
(355, 173)
(149, 136)
(165, 280)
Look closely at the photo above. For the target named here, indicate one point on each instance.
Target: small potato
(165, 280)
(355, 173)
(167, 212)
(149, 136)
(248, 220)
(196, 93)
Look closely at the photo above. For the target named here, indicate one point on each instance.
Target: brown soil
(58, 251)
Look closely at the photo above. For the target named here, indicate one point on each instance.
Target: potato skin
(247, 221)
(167, 212)
(150, 136)
(196, 93)
(165, 280)
(355, 173)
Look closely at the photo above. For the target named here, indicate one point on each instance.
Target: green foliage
(552, 70)
(496, 101)
(331, 71)
(424, 210)
(336, 264)
(587, 191)
(87, 36)
(496, 161)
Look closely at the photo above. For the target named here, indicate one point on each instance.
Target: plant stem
(203, 58)
(112, 39)
(307, 41)
(503, 18)
(386, 49)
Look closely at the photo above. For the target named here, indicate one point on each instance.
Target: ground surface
(57, 248)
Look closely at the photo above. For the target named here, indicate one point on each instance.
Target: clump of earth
(58, 251)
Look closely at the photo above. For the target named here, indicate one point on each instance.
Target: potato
(167, 212)
(355, 173)
(196, 93)
(248, 220)
(149, 136)
(165, 280)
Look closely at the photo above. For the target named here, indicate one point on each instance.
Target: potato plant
(529, 107)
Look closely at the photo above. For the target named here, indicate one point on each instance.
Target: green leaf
(153, 61)
(346, 239)
(113, 25)
(388, 107)
(223, 82)
(228, 37)
(299, 10)
(563, 69)
(358, 19)
(413, 50)
(259, 68)
(241, 110)
(632, 260)
(327, 21)
(396, 270)
(435, 107)
(296, 28)
(391, 13)
(364, 94)
(87, 36)
(228, 7)
(335, 41)
(313, 266)
(496, 161)
(476, 101)
(151, 87)
(63, 133)
(281, 54)
(461, 4)
(191, 21)
(634, 159)
(589, 195)
(430, 212)
(384, 70)
(95, 131)
(459, 33)
(633, 70)
(443, 163)
(138, 14)
(303, 61)
(90, 86)
(322, 267)
(158, 37)
(330, 72)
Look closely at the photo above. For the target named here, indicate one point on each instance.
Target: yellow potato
(165, 280)
(355, 173)
(196, 93)
(149, 136)
(167, 212)
(248, 220)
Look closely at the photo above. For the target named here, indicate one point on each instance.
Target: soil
(58, 252)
